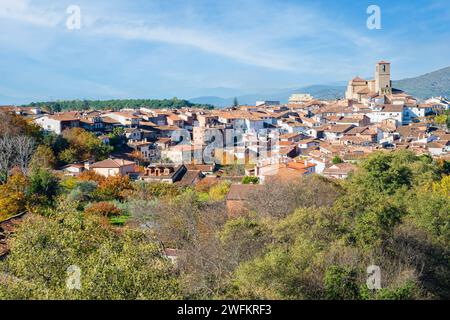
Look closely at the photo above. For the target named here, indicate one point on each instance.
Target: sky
(190, 48)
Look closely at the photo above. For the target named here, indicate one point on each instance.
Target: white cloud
(287, 37)
(220, 45)
(233, 36)
(21, 10)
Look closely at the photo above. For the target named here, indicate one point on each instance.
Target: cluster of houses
(272, 140)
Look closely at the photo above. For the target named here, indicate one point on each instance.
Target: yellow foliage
(13, 196)
(219, 191)
(442, 186)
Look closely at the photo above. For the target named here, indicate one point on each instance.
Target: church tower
(383, 78)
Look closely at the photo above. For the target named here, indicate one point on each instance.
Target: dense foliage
(65, 105)
(111, 264)
(310, 238)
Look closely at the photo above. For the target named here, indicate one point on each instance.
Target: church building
(359, 89)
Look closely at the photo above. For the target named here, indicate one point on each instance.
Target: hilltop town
(265, 201)
(302, 137)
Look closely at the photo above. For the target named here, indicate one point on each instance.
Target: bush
(341, 283)
(44, 186)
(114, 188)
(103, 209)
(337, 160)
(250, 180)
(113, 265)
(13, 198)
(219, 191)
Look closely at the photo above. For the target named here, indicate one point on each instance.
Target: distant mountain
(213, 100)
(318, 91)
(219, 92)
(436, 83)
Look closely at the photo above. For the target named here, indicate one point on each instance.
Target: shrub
(250, 180)
(103, 209)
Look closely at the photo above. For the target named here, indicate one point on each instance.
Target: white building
(416, 111)
(381, 113)
(125, 118)
(298, 98)
(57, 123)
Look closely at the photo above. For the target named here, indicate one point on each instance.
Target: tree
(43, 157)
(7, 155)
(341, 283)
(54, 141)
(219, 191)
(235, 102)
(14, 125)
(429, 208)
(83, 145)
(117, 138)
(13, 196)
(441, 120)
(58, 106)
(15, 151)
(376, 225)
(243, 238)
(337, 160)
(250, 180)
(24, 147)
(191, 225)
(126, 265)
(82, 191)
(91, 175)
(279, 199)
(103, 209)
(69, 155)
(44, 186)
(114, 188)
(153, 191)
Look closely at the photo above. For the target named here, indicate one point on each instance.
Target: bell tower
(383, 78)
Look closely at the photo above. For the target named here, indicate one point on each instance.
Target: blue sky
(167, 48)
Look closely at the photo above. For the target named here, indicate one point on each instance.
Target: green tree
(341, 283)
(43, 157)
(69, 155)
(337, 160)
(244, 238)
(44, 186)
(441, 119)
(250, 180)
(113, 265)
(83, 145)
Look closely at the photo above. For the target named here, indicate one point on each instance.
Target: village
(132, 167)
(214, 158)
(268, 139)
(260, 143)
